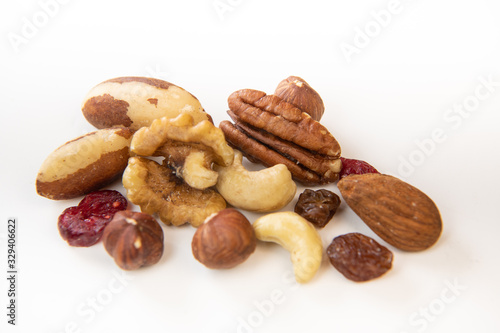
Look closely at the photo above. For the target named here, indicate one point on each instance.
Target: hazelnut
(224, 240)
(133, 239)
(298, 92)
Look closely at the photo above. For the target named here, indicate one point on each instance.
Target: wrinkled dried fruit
(84, 224)
(318, 207)
(358, 257)
(357, 167)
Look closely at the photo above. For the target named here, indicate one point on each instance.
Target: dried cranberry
(359, 257)
(351, 166)
(318, 207)
(104, 202)
(84, 224)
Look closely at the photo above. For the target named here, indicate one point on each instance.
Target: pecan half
(271, 131)
(282, 119)
(257, 152)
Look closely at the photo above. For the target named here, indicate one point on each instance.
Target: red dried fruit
(357, 167)
(84, 224)
(318, 207)
(358, 257)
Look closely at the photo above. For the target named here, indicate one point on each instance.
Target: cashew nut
(196, 170)
(260, 191)
(297, 236)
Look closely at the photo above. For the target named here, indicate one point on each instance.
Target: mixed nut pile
(176, 165)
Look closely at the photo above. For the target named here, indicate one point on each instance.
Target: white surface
(396, 91)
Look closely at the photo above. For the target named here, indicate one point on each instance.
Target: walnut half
(189, 149)
(156, 189)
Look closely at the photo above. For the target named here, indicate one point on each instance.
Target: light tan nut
(136, 101)
(189, 148)
(156, 189)
(191, 162)
(260, 191)
(224, 240)
(398, 212)
(84, 164)
(298, 92)
(296, 235)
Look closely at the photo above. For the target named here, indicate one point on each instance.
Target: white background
(406, 81)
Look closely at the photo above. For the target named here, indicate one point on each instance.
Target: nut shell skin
(298, 92)
(224, 241)
(134, 240)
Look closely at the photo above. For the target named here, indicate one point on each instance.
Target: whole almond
(396, 211)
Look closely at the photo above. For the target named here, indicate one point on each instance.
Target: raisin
(357, 167)
(358, 257)
(318, 207)
(84, 224)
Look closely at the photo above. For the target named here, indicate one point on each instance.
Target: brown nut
(257, 152)
(133, 239)
(156, 189)
(396, 211)
(136, 101)
(225, 240)
(84, 164)
(298, 92)
(272, 131)
(280, 118)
